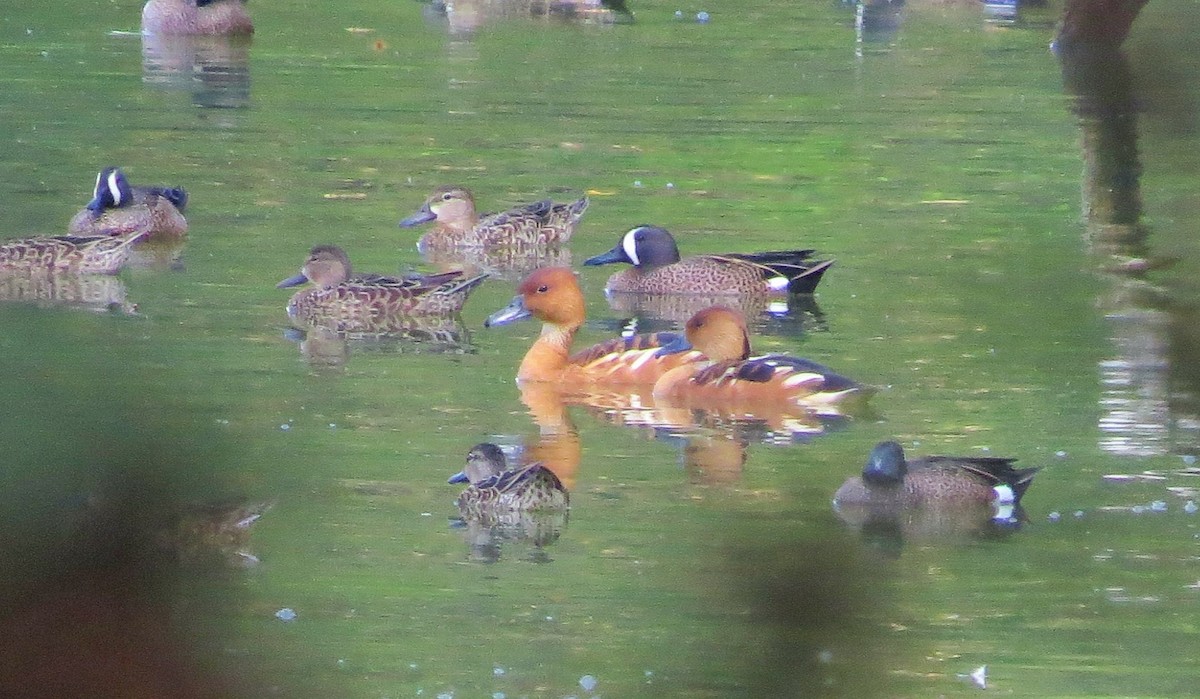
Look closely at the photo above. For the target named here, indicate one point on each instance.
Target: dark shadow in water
(214, 70)
(103, 470)
(1138, 414)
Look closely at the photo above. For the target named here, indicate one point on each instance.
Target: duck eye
(447, 196)
(543, 289)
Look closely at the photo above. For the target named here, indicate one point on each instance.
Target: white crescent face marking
(96, 189)
(630, 246)
(113, 189)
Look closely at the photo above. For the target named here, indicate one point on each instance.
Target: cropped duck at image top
(347, 302)
(729, 375)
(495, 486)
(452, 208)
(890, 481)
(196, 17)
(97, 254)
(117, 208)
(658, 269)
(552, 295)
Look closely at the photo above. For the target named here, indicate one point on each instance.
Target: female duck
(732, 376)
(196, 17)
(493, 486)
(68, 253)
(890, 481)
(552, 295)
(658, 269)
(117, 208)
(368, 303)
(458, 226)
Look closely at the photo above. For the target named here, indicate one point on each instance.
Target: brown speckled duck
(494, 486)
(117, 208)
(457, 225)
(890, 481)
(658, 268)
(79, 254)
(345, 302)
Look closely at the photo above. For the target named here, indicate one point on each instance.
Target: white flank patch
(630, 245)
(778, 283)
(776, 307)
(113, 189)
(645, 357)
(1004, 495)
(801, 379)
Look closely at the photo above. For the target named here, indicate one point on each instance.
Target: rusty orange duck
(552, 295)
(732, 376)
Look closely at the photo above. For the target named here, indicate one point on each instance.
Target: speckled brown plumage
(658, 268)
(890, 480)
(80, 254)
(452, 208)
(369, 303)
(117, 208)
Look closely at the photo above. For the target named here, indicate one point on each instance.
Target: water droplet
(702, 17)
(1190, 507)
(1053, 516)
(285, 614)
(1159, 506)
(588, 683)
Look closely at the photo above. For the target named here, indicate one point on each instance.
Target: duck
(552, 295)
(117, 208)
(369, 303)
(97, 254)
(214, 17)
(890, 481)
(658, 268)
(729, 375)
(495, 487)
(452, 207)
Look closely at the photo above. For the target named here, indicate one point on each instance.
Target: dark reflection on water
(214, 70)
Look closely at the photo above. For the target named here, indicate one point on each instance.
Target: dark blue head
(643, 246)
(178, 196)
(885, 466)
(112, 190)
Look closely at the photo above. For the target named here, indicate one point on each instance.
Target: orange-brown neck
(548, 356)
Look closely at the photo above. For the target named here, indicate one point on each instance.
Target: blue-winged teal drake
(196, 17)
(117, 208)
(457, 225)
(81, 254)
(890, 481)
(494, 486)
(552, 295)
(345, 302)
(732, 377)
(658, 269)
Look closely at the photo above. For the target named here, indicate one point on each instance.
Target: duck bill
(292, 281)
(509, 314)
(460, 477)
(96, 206)
(423, 215)
(675, 346)
(613, 256)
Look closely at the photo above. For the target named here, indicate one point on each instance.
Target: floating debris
(978, 677)
(286, 614)
(588, 683)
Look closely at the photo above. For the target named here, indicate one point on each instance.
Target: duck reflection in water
(328, 349)
(213, 70)
(526, 504)
(101, 293)
(932, 497)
